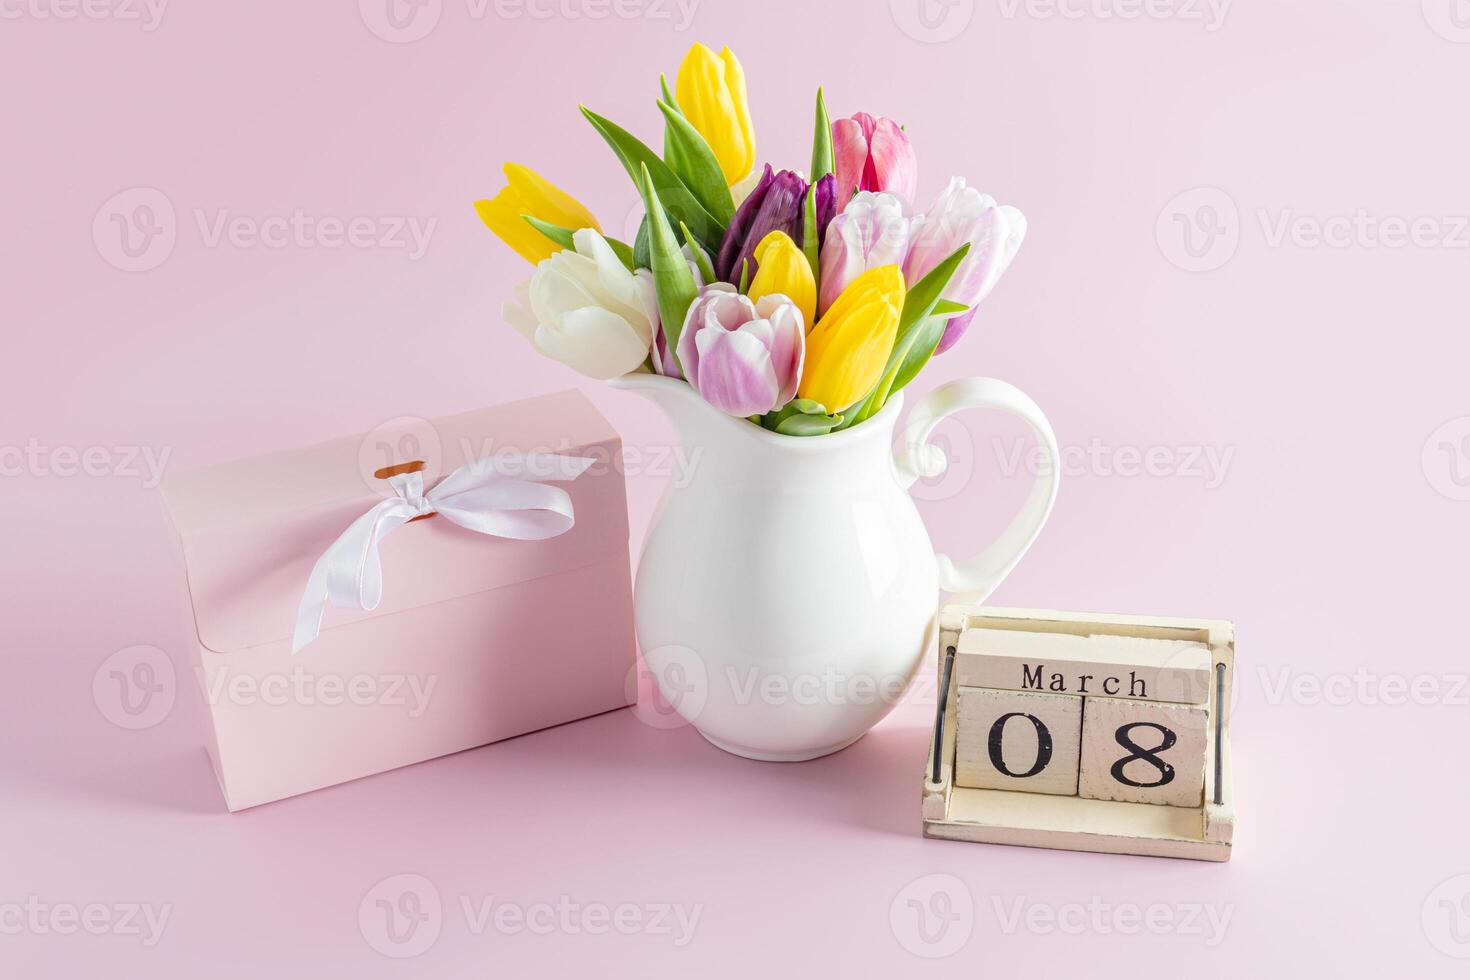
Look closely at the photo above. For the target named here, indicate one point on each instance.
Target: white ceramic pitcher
(788, 589)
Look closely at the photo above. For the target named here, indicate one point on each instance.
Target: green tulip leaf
(680, 201)
(946, 309)
(821, 141)
(801, 408)
(563, 237)
(624, 252)
(690, 157)
(926, 339)
(925, 295)
(915, 333)
(640, 246)
(673, 283)
(701, 257)
(799, 424)
(668, 96)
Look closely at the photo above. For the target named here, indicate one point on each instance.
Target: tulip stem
(809, 242)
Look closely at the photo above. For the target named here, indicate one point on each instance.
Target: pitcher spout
(663, 391)
(695, 418)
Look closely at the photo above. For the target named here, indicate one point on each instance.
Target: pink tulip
(872, 230)
(744, 358)
(994, 231)
(873, 155)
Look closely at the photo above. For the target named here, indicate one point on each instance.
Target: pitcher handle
(975, 578)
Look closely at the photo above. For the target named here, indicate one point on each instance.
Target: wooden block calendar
(1083, 731)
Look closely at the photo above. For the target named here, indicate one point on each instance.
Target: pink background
(1331, 374)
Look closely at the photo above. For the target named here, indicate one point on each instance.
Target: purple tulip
(994, 231)
(777, 203)
(826, 207)
(744, 358)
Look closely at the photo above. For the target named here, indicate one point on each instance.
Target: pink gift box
(476, 638)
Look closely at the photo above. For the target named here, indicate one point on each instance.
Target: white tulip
(585, 309)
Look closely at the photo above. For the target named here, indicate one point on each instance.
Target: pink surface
(1266, 421)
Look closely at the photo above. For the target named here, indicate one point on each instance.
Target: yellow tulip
(849, 347)
(710, 89)
(783, 268)
(527, 192)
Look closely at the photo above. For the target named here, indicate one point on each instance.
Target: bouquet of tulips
(801, 303)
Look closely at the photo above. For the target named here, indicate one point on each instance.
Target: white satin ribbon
(489, 496)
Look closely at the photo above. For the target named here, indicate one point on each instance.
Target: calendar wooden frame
(1204, 833)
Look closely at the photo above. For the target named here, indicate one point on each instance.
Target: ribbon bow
(484, 495)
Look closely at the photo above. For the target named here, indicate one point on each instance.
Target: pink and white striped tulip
(744, 358)
(962, 214)
(872, 230)
(873, 154)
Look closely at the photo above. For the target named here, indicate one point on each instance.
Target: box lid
(252, 529)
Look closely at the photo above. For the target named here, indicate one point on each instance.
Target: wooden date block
(1143, 752)
(1092, 665)
(1018, 740)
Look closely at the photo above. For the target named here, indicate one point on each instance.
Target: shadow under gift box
(513, 635)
